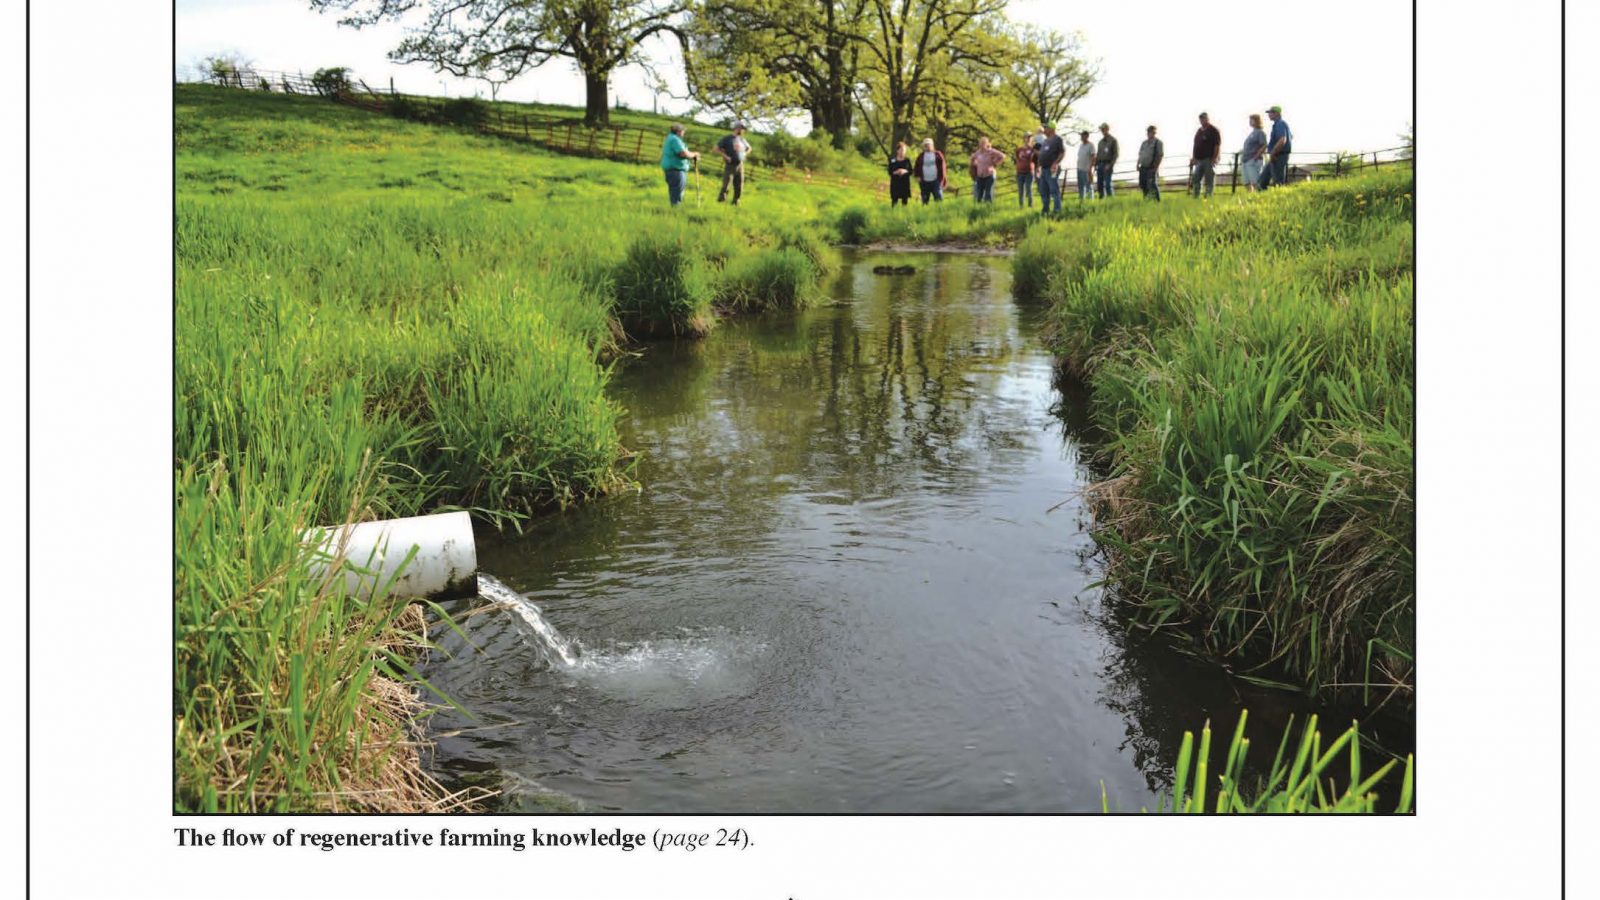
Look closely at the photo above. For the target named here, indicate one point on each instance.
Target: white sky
(1341, 73)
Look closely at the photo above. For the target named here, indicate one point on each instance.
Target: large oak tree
(498, 40)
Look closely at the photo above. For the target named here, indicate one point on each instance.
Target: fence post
(569, 138)
(1233, 188)
(1338, 163)
(616, 135)
(1374, 159)
(638, 146)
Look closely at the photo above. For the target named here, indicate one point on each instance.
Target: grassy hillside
(1252, 366)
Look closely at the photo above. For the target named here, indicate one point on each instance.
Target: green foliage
(813, 153)
(331, 82)
(1303, 783)
(1252, 362)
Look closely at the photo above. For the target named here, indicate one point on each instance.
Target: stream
(856, 579)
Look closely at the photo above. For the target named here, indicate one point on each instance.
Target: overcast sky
(1342, 74)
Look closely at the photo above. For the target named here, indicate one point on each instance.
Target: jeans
(983, 189)
(1024, 188)
(1149, 186)
(675, 178)
(931, 189)
(1102, 177)
(1276, 172)
(1049, 189)
(1085, 185)
(732, 173)
(1250, 172)
(1204, 171)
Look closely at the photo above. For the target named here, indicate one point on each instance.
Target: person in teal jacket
(675, 160)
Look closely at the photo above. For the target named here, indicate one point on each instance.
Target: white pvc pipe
(445, 564)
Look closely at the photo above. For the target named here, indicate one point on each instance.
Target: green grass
(1251, 365)
(1306, 782)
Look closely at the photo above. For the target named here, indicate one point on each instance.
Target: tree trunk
(596, 109)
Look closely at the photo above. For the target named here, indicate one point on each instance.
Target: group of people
(1041, 163)
(677, 158)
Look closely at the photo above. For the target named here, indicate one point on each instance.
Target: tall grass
(1304, 782)
(1251, 362)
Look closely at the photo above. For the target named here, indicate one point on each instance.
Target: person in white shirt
(1085, 167)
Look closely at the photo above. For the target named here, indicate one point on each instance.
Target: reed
(1304, 780)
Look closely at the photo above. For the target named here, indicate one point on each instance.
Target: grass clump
(663, 287)
(781, 278)
(1251, 364)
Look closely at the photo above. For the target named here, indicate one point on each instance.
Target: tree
(764, 57)
(498, 40)
(226, 68)
(1050, 73)
(909, 41)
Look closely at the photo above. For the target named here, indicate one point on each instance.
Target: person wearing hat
(1151, 152)
(1278, 144)
(1105, 158)
(733, 148)
(1085, 167)
(1027, 171)
(1203, 161)
(1051, 152)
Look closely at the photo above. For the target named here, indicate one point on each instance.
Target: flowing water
(856, 578)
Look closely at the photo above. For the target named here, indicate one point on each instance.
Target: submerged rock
(894, 270)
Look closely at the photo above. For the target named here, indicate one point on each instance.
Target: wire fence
(638, 144)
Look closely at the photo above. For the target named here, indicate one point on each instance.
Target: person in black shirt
(899, 176)
(733, 148)
(1203, 162)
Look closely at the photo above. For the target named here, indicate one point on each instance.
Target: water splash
(558, 649)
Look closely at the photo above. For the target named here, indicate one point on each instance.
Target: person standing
(1278, 144)
(675, 159)
(930, 172)
(733, 148)
(1051, 152)
(1151, 152)
(1085, 167)
(1250, 155)
(986, 161)
(1203, 160)
(1105, 158)
(1024, 157)
(899, 176)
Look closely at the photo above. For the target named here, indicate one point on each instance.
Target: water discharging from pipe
(556, 648)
